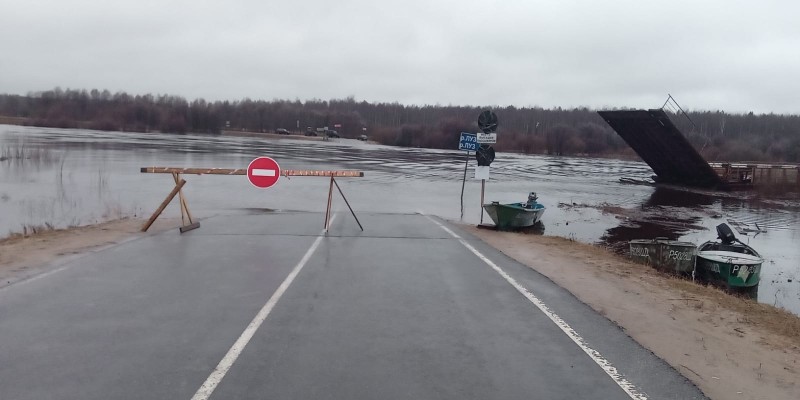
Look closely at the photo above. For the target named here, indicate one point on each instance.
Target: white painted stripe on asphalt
(263, 172)
(226, 363)
(446, 229)
(34, 278)
(609, 369)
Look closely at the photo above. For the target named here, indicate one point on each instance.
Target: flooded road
(59, 178)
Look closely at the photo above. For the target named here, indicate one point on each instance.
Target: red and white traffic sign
(263, 172)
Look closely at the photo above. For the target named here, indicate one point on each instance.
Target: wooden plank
(330, 202)
(333, 174)
(193, 171)
(187, 228)
(243, 171)
(184, 206)
(163, 205)
(177, 178)
(348, 204)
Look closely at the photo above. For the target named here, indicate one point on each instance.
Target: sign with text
(482, 173)
(468, 142)
(488, 138)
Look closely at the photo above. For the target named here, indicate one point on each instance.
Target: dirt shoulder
(731, 348)
(22, 256)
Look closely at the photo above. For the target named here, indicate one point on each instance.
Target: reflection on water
(665, 214)
(73, 177)
(536, 229)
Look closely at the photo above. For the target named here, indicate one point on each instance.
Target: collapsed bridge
(663, 147)
(667, 151)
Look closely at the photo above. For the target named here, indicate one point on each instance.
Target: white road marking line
(609, 369)
(264, 172)
(33, 278)
(226, 363)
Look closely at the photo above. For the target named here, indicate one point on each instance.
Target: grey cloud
(731, 55)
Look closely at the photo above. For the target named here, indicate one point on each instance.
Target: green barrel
(645, 251)
(665, 255)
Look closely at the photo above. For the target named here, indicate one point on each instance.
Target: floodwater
(64, 178)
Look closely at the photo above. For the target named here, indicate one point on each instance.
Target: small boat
(515, 215)
(729, 263)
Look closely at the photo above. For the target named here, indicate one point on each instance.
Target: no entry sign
(263, 172)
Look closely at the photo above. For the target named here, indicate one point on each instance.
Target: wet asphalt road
(402, 310)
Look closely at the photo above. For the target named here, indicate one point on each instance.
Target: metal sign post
(463, 182)
(483, 188)
(468, 142)
(487, 121)
(485, 156)
(480, 143)
(482, 173)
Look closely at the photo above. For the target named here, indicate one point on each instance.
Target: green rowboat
(515, 215)
(729, 263)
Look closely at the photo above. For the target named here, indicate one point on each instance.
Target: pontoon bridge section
(663, 147)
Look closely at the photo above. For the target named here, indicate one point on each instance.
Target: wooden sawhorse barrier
(186, 215)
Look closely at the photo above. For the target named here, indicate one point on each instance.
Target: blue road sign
(468, 142)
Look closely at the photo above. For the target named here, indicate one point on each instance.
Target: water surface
(74, 177)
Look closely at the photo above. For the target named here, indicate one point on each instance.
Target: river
(63, 178)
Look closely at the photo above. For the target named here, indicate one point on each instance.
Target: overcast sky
(736, 56)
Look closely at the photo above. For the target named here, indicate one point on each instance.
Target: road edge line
(595, 355)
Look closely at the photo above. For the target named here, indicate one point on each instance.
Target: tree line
(534, 130)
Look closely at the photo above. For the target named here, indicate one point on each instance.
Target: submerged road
(267, 306)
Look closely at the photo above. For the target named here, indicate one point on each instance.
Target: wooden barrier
(160, 209)
(243, 171)
(186, 215)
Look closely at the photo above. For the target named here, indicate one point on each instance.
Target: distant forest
(578, 131)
